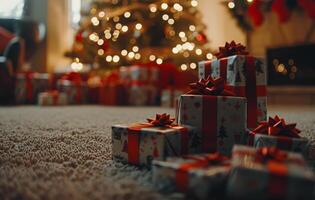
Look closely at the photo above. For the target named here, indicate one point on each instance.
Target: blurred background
(148, 48)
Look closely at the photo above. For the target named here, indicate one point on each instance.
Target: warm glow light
(184, 39)
(108, 35)
(124, 52)
(209, 56)
(109, 58)
(124, 28)
(194, 3)
(116, 58)
(164, 6)
(118, 26)
(192, 28)
(175, 50)
(171, 21)
(76, 65)
(181, 34)
(135, 48)
(186, 54)
(116, 19)
(153, 8)
(165, 17)
(137, 56)
(280, 68)
(198, 51)
(159, 61)
(231, 5)
(152, 57)
(131, 54)
(183, 67)
(100, 52)
(249, 1)
(127, 14)
(138, 26)
(178, 7)
(101, 14)
(193, 65)
(100, 42)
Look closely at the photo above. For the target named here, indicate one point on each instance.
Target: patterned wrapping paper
(242, 73)
(140, 143)
(170, 96)
(76, 92)
(220, 120)
(29, 85)
(52, 98)
(191, 177)
(254, 179)
(139, 73)
(299, 145)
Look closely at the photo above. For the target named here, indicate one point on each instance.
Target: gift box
(52, 98)
(142, 73)
(170, 96)
(94, 85)
(29, 85)
(74, 87)
(140, 143)
(245, 75)
(276, 133)
(220, 120)
(200, 176)
(269, 173)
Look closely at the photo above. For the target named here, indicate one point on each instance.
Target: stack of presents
(220, 145)
(139, 85)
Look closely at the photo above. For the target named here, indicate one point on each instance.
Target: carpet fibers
(65, 152)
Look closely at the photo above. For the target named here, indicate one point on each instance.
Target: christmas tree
(123, 32)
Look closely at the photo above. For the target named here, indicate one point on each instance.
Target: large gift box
(276, 133)
(29, 85)
(140, 143)
(73, 85)
(245, 75)
(269, 173)
(200, 176)
(52, 98)
(220, 120)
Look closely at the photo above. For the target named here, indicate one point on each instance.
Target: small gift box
(52, 98)
(29, 85)
(269, 173)
(245, 75)
(276, 133)
(94, 85)
(140, 143)
(72, 84)
(201, 176)
(170, 96)
(219, 118)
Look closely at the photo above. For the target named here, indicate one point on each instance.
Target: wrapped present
(200, 176)
(72, 84)
(276, 133)
(29, 85)
(113, 91)
(245, 75)
(170, 96)
(140, 143)
(269, 173)
(219, 117)
(94, 85)
(142, 73)
(52, 98)
(141, 94)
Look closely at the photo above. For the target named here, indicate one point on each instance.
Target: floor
(65, 152)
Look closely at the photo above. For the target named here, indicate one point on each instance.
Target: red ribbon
(55, 96)
(161, 120)
(210, 86)
(231, 49)
(182, 177)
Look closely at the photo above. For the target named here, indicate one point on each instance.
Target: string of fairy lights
(169, 12)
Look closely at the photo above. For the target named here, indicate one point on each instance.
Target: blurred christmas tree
(123, 32)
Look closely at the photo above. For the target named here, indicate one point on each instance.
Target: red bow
(209, 159)
(231, 49)
(210, 86)
(162, 120)
(266, 154)
(277, 127)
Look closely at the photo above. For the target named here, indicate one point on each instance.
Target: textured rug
(65, 152)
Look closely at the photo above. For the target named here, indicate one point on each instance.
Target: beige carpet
(65, 152)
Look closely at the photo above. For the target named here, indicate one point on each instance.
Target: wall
(221, 26)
